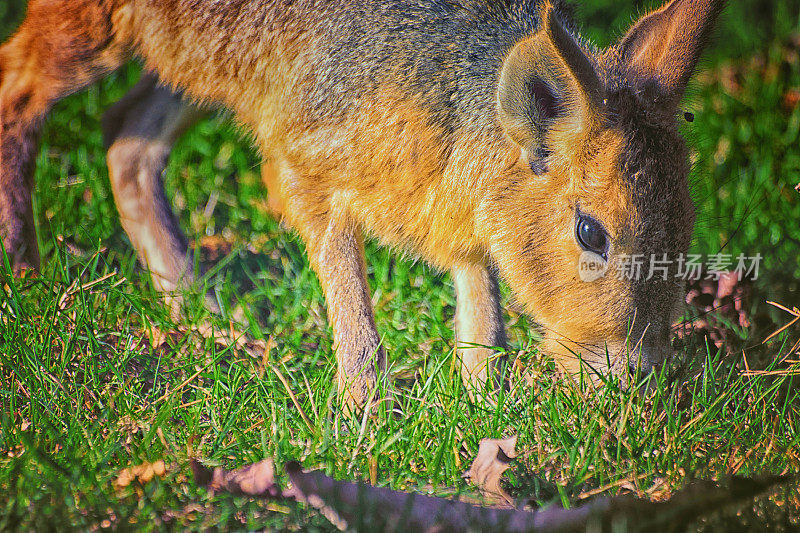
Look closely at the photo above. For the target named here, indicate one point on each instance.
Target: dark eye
(591, 235)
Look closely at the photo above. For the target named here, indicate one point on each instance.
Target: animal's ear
(663, 47)
(545, 78)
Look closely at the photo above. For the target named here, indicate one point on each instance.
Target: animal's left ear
(663, 47)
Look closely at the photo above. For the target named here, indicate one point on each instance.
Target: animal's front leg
(479, 321)
(337, 254)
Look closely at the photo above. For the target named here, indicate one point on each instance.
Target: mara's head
(589, 225)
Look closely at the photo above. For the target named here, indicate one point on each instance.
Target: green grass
(85, 393)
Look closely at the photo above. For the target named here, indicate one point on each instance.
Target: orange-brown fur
(425, 163)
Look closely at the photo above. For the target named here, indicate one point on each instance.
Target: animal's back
(324, 56)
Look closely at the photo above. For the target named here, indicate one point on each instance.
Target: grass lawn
(96, 376)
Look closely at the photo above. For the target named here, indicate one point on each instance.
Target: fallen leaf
(494, 458)
(144, 473)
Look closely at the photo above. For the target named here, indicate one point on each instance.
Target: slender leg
(61, 47)
(337, 255)
(479, 320)
(141, 130)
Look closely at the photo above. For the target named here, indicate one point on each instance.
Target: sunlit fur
(394, 119)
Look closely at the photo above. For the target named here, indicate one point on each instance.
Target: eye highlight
(591, 235)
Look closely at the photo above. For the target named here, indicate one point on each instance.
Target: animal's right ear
(663, 47)
(546, 77)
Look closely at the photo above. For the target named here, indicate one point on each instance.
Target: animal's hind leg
(141, 129)
(61, 46)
